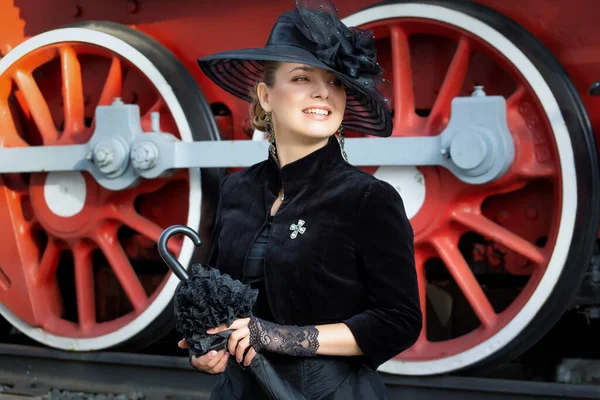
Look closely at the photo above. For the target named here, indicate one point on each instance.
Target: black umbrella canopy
(208, 299)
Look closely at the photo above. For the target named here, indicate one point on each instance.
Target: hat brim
(237, 72)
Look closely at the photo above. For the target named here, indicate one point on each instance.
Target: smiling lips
(320, 113)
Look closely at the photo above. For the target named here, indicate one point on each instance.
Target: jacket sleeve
(385, 244)
(214, 239)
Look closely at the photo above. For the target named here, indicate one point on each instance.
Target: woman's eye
(300, 78)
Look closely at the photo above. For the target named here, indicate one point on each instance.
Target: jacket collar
(313, 165)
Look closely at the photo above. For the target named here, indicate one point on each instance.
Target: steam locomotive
(502, 253)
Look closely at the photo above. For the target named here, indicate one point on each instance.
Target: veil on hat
(313, 34)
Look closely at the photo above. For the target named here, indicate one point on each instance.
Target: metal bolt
(144, 155)
(111, 156)
(77, 11)
(478, 91)
(531, 213)
(133, 6)
(103, 156)
(117, 101)
(133, 98)
(502, 217)
(468, 150)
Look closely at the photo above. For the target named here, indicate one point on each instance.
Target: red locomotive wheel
(80, 270)
(497, 263)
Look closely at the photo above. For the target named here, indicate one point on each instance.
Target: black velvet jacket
(354, 263)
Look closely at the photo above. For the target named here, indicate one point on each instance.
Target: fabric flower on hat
(350, 51)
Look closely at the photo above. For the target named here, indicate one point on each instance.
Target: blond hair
(257, 113)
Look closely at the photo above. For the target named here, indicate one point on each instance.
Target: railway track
(33, 372)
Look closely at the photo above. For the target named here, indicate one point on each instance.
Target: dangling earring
(341, 141)
(270, 135)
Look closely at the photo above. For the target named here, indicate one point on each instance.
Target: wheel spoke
(465, 279)
(84, 285)
(404, 98)
(144, 226)
(115, 255)
(48, 264)
(114, 83)
(38, 58)
(534, 170)
(38, 107)
(422, 280)
(453, 82)
(72, 90)
(516, 97)
(10, 136)
(479, 223)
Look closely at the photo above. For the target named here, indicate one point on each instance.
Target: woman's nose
(321, 90)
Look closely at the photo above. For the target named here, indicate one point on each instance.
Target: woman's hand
(239, 340)
(213, 362)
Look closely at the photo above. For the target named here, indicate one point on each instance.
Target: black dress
(320, 377)
(254, 272)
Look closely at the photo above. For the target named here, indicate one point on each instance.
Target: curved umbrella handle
(168, 258)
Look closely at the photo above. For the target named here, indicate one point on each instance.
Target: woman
(328, 246)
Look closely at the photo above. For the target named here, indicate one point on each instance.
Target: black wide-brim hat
(313, 34)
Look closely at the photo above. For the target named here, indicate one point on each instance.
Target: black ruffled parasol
(206, 299)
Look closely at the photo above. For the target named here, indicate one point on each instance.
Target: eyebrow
(308, 69)
(302, 68)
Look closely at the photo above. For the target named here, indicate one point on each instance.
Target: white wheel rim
(161, 301)
(568, 210)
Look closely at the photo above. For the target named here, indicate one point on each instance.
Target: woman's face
(304, 101)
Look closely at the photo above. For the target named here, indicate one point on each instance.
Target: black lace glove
(291, 340)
